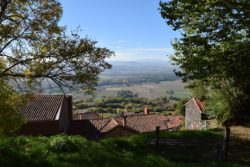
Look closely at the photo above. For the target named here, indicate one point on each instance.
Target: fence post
(157, 132)
(226, 143)
(219, 155)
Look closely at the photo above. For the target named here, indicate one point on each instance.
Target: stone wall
(193, 116)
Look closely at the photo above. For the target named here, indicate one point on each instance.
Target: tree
(214, 47)
(34, 49)
(10, 119)
(180, 108)
(199, 91)
(37, 49)
(126, 94)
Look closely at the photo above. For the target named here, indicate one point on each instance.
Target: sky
(133, 29)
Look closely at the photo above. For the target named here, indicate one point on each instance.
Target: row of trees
(127, 101)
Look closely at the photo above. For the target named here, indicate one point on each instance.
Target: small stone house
(195, 116)
(47, 115)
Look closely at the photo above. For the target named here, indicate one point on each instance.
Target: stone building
(195, 117)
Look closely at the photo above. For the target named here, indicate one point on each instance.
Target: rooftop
(42, 107)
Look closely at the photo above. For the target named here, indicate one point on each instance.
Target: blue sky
(133, 29)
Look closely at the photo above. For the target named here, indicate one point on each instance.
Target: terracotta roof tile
(139, 123)
(146, 123)
(99, 124)
(200, 104)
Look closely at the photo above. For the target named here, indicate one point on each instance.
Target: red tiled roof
(175, 121)
(145, 123)
(109, 126)
(99, 124)
(200, 104)
(42, 107)
(138, 123)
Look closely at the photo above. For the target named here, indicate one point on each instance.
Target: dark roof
(86, 115)
(42, 107)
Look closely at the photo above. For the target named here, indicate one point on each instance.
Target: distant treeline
(128, 79)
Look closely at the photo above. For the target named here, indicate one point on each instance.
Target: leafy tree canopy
(35, 48)
(214, 47)
(10, 119)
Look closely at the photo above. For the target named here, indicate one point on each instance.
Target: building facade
(195, 117)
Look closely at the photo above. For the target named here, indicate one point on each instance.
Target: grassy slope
(77, 151)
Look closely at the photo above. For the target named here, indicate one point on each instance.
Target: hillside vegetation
(127, 151)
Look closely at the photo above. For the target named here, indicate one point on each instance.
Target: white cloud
(142, 54)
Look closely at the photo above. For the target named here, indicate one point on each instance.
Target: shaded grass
(77, 151)
(239, 146)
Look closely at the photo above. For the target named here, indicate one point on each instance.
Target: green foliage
(218, 106)
(214, 47)
(10, 119)
(180, 108)
(36, 48)
(126, 151)
(126, 94)
(199, 91)
(118, 105)
(65, 144)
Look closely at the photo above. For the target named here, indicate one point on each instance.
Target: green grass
(133, 151)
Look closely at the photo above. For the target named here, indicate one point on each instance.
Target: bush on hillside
(65, 144)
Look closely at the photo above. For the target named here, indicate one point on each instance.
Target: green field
(148, 90)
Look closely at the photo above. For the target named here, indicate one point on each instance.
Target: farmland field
(148, 90)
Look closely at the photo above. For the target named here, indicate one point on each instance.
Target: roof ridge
(105, 124)
(198, 103)
(100, 119)
(46, 95)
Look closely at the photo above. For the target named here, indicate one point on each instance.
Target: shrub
(63, 144)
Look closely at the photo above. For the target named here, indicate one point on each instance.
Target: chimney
(70, 107)
(124, 120)
(146, 111)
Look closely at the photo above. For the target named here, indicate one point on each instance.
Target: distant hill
(135, 67)
(126, 73)
(137, 72)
